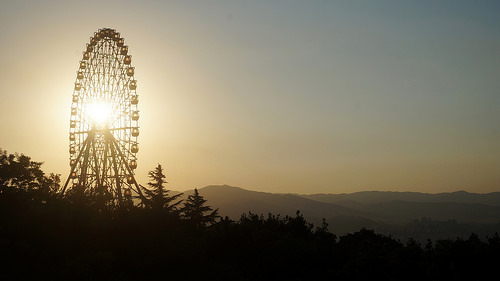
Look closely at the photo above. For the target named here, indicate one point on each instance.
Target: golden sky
(277, 96)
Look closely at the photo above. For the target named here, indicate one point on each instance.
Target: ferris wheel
(104, 121)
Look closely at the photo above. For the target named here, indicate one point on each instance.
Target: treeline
(47, 236)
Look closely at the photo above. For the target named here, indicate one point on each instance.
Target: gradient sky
(277, 96)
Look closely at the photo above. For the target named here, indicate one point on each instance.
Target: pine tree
(158, 194)
(194, 210)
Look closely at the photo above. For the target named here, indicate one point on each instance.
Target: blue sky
(278, 96)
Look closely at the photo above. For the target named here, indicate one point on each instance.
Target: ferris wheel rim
(105, 74)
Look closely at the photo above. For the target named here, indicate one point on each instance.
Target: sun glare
(100, 113)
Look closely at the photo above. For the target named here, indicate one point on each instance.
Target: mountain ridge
(461, 196)
(350, 212)
(225, 196)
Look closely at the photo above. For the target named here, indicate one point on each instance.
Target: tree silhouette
(78, 196)
(18, 171)
(60, 239)
(194, 210)
(158, 194)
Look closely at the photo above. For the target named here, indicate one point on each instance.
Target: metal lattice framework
(104, 121)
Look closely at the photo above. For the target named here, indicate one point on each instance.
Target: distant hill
(371, 197)
(350, 212)
(399, 207)
(235, 201)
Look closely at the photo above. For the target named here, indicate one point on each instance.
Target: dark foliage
(44, 236)
(20, 172)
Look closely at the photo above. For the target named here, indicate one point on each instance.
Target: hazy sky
(278, 96)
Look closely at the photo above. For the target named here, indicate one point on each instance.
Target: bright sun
(99, 113)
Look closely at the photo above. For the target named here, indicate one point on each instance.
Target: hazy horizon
(277, 96)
